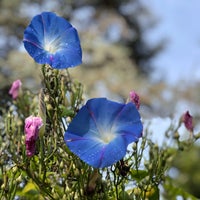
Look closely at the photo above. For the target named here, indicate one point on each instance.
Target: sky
(178, 23)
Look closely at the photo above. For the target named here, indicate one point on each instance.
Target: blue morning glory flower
(50, 39)
(101, 131)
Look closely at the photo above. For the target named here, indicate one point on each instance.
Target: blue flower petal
(113, 152)
(95, 153)
(101, 131)
(81, 146)
(128, 123)
(50, 39)
(106, 111)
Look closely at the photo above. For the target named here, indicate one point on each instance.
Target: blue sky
(178, 22)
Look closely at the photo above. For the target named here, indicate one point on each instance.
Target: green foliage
(188, 177)
(55, 173)
(173, 191)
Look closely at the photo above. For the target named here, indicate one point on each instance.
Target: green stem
(43, 187)
(43, 166)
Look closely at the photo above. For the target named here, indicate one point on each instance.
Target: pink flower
(32, 126)
(15, 88)
(134, 98)
(187, 119)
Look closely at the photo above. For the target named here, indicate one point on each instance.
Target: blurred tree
(137, 16)
(139, 20)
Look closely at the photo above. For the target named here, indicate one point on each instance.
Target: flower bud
(32, 126)
(187, 119)
(137, 191)
(3, 186)
(176, 135)
(15, 89)
(14, 169)
(134, 98)
(134, 146)
(197, 136)
(19, 179)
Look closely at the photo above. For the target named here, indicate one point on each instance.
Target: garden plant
(57, 144)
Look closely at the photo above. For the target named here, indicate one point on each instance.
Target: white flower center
(52, 45)
(107, 136)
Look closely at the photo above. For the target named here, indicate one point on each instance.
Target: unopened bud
(15, 89)
(187, 119)
(134, 98)
(150, 166)
(155, 146)
(147, 178)
(176, 135)
(61, 164)
(3, 186)
(14, 169)
(134, 146)
(197, 136)
(137, 191)
(49, 107)
(170, 159)
(19, 179)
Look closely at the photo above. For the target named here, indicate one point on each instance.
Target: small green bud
(176, 135)
(143, 143)
(156, 146)
(170, 159)
(197, 136)
(19, 179)
(150, 166)
(61, 164)
(137, 191)
(57, 100)
(134, 146)
(146, 164)
(49, 107)
(61, 151)
(146, 187)
(19, 122)
(14, 169)
(147, 179)
(3, 186)
(23, 137)
(46, 98)
(64, 196)
(68, 119)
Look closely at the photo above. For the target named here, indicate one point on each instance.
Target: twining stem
(43, 166)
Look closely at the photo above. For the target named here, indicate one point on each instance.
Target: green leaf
(123, 195)
(138, 175)
(30, 187)
(30, 191)
(65, 112)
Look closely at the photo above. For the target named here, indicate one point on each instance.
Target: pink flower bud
(15, 88)
(32, 126)
(187, 119)
(134, 98)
